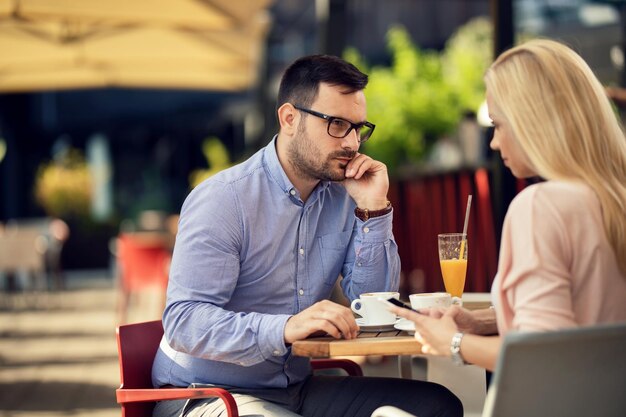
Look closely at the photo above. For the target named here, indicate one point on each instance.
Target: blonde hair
(563, 120)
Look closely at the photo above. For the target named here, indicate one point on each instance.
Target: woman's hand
(482, 322)
(463, 318)
(434, 333)
(434, 330)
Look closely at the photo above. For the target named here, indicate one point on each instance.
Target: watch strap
(366, 214)
(455, 349)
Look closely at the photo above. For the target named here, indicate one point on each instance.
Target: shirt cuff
(375, 230)
(271, 340)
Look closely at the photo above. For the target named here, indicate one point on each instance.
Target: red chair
(143, 262)
(137, 345)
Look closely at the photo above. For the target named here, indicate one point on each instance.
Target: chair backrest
(137, 345)
(143, 264)
(574, 372)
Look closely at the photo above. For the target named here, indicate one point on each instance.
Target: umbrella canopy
(196, 44)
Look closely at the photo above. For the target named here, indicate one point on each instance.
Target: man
(259, 249)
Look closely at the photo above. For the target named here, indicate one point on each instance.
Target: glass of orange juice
(453, 260)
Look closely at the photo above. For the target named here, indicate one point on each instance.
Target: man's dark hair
(301, 80)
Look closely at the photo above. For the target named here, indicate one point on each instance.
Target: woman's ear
(288, 117)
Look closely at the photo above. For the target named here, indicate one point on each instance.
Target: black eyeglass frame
(330, 119)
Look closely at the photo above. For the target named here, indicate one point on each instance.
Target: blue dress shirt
(249, 254)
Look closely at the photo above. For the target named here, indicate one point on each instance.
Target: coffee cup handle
(358, 310)
(456, 301)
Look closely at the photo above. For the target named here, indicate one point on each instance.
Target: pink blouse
(556, 267)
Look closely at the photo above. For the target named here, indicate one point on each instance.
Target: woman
(563, 251)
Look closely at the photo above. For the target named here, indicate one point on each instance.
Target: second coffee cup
(432, 299)
(372, 310)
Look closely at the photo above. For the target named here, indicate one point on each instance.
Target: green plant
(217, 158)
(466, 57)
(423, 94)
(63, 186)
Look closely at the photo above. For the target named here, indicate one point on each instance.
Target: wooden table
(394, 342)
(367, 343)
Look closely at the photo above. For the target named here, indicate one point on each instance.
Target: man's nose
(351, 141)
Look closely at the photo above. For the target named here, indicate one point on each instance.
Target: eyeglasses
(340, 128)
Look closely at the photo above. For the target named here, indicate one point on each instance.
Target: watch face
(365, 214)
(361, 214)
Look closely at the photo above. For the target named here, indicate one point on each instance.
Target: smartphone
(397, 303)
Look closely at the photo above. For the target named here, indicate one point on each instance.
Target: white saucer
(405, 325)
(374, 327)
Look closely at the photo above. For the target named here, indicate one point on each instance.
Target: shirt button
(276, 353)
(301, 292)
(359, 264)
(366, 229)
(301, 251)
(292, 192)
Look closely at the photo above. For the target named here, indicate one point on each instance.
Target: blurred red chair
(137, 345)
(143, 260)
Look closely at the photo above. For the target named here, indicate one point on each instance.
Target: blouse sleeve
(535, 259)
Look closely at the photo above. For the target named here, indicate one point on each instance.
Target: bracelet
(455, 349)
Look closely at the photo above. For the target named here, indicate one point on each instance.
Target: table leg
(404, 366)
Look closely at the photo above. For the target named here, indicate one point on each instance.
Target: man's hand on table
(324, 316)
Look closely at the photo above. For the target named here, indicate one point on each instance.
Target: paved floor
(58, 355)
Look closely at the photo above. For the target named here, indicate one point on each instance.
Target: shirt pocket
(333, 249)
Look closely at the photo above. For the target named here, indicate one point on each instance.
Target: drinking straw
(467, 212)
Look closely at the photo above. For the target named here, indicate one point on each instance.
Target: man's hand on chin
(367, 182)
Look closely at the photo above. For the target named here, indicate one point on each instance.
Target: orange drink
(453, 250)
(454, 271)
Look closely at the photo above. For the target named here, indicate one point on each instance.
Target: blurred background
(111, 112)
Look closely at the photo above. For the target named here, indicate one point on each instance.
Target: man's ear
(288, 118)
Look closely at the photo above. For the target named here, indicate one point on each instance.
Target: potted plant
(63, 186)
(423, 95)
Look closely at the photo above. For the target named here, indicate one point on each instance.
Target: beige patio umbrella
(196, 44)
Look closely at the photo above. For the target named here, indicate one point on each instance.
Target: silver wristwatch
(455, 349)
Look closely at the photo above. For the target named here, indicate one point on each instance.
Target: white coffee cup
(432, 299)
(372, 310)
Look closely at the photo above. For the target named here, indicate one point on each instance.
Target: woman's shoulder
(562, 196)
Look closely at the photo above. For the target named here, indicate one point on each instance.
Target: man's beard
(308, 162)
